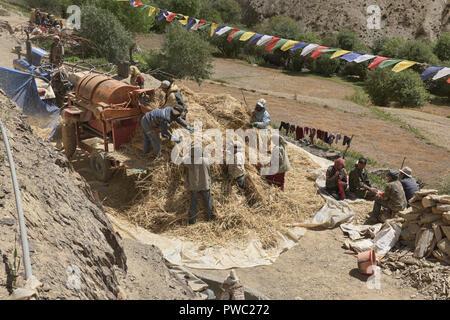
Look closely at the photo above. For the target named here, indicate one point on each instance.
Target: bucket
(367, 262)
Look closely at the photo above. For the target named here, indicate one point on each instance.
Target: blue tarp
(36, 56)
(21, 88)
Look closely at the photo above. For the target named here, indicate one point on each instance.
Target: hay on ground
(262, 210)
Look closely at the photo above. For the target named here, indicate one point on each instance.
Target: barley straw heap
(161, 204)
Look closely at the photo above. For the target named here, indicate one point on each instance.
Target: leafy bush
(415, 50)
(349, 40)
(134, 20)
(379, 44)
(442, 48)
(355, 69)
(190, 8)
(378, 86)
(326, 66)
(230, 10)
(408, 89)
(283, 27)
(107, 33)
(187, 55)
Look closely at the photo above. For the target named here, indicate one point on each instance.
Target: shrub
(187, 54)
(415, 50)
(355, 69)
(229, 10)
(283, 27)
(134, 20)
(326, 66)
(379, 44)
(190, 8)
(113, 41)
(442, 48)
(349, 40)
(408, 89)
(378, 86)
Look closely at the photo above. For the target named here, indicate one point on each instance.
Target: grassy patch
(220, 81)
(19, 6)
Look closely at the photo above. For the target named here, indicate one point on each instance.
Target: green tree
(283, 27)
(187, 55)
(105, 31)
(326, 66)
(230, 10)
(378, 86)
(190, 8)
(408, 89)
(349, 40)
(442, 48)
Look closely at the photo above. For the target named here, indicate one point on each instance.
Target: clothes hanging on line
(292, 129)
(299, 133)
(347, 141)
(338, 137)
(331, 139)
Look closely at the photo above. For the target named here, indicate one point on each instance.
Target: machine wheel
(69, 138)
(101, 164)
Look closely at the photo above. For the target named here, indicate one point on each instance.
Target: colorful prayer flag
(429, 72)
(339, 53)
(389, 62)
(271, 44)
(214, 27)
(378, 60)
(230, 36)
(246, 36)
(255, 38)
(317, 53)
(309, 48)
(403, 65)
(364, 57)
(223, 30)
(288, 45)
(264, 39)
(442, 73)
(299, 46)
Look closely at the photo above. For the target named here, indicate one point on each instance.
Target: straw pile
(161, 204)
(427, 226)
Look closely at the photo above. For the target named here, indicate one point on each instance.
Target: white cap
(261, 102)
(165, 84)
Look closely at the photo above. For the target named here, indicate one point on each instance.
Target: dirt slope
(66, 229)
(402, 18)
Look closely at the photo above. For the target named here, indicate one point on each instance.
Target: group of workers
(198, 179)
(401, 187)
(44, 21)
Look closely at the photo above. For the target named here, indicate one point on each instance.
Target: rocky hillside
(401, 18)
(75, 251)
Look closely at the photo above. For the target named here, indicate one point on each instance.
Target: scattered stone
(429, 218)
(9, 222)
(423, 243)
(427, 202)
(446, 232)
(444, 246)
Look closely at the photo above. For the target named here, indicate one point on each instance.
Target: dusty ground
(317, 269)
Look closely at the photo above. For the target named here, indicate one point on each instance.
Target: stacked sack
(427, 225)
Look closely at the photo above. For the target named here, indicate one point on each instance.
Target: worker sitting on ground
(409, 184)
(359, 182)
(52, 23)
(261, 118)
(173, 96)
(137, 79)
(278, 179)
(198, 181)
(44, 20)
(33, 16)
(236, 170)
(336, 180)
(393, 198)
(158, 121)
(56, 52)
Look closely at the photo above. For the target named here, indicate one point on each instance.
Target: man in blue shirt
(409, 183)
(158, 121)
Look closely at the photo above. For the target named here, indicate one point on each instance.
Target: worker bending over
(158, 121)
(261, 118)
(173, 96)
(237, 169)
(198, 181)
(278, 179)
(137, 79)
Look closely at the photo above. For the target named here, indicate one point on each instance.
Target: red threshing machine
(104, 108)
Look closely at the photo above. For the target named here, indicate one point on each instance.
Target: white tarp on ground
(193, 255)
